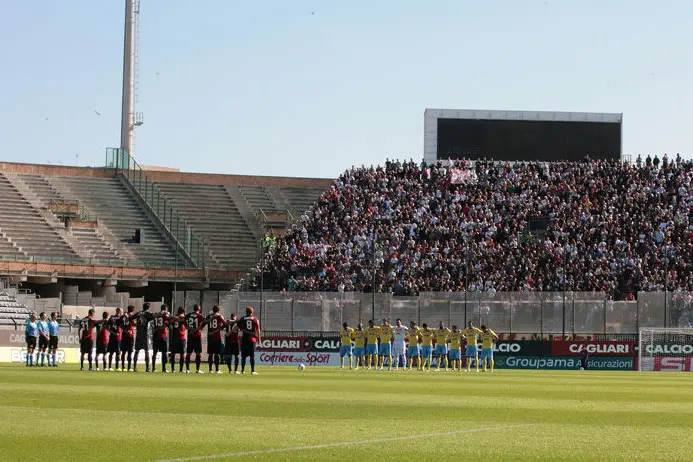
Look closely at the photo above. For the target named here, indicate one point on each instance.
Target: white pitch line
(343, 443)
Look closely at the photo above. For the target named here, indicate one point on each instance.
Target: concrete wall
(169, 176)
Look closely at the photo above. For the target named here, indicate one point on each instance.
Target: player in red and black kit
(161, 321)
(249, 325)
(142, 336)
(102, 337)
(86, 336)
(179, 339)
(115, 325)
(128, 343)
(231, 347)
(195, 322)
(215, 325)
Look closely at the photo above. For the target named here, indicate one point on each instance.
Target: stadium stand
(92, 244)
(608, 227)
(300, 199)
(9, 249)
(26, 229)
(11, 310)
(88, 216)
(258, 198)
(270, 213)
(119, 211)
(209, 209)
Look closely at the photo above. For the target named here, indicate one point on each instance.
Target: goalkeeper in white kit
(399, 345)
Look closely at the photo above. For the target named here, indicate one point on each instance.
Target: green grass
(63, 414)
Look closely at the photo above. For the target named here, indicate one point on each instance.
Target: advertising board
(12, 337)
(668, 364)
(594, 348)
(303, 344)
(522, 348)
(602, 363)
(267, 358)
(679, 349)
(18, 355)
(293, 350)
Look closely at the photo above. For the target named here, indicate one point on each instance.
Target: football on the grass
(301, 367)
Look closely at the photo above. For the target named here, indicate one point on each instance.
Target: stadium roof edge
(557, 116)
(173, 176)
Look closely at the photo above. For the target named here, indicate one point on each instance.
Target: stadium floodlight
(665, 349)
(131, 58)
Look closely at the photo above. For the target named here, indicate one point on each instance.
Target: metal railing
(165, 211)
(539, 313)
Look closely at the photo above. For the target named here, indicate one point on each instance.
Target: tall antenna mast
(129, 119)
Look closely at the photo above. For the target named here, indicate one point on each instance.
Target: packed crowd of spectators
(405, 228)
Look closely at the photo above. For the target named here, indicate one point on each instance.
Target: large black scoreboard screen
(527, 140)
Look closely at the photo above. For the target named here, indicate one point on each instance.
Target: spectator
(610, 227)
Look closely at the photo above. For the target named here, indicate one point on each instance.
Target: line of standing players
(118, 336)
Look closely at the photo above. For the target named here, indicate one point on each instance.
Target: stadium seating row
(11, 310)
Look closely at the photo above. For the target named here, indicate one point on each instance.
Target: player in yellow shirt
(413, 346)
(455, 352)
(442, 346)
(385, 349)
(372, 334)
(360, 345)
(472, 351)
(346, 335)
(487, 337)
(427, 336)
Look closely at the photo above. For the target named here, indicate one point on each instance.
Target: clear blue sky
(268, 88)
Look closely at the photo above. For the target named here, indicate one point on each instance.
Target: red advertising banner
(303, 344)
(595, 348)
(282, 344)
(668, 364)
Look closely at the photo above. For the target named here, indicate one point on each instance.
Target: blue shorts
(441, 350)
(359, 352)
(371, 349)
(385, 349)
(413, 352)
(455, 354)
(426, 351)
(345, 350)
(471, 350)
(487, 353)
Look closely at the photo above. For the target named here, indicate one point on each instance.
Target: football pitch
(327, 414)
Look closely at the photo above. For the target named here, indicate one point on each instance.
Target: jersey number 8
(248, 324)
